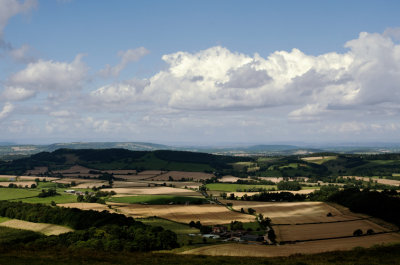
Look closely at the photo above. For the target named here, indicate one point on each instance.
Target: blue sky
(199, 72)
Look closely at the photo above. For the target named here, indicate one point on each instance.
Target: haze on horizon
(200, 71)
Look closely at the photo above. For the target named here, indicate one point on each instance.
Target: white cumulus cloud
(51, 76)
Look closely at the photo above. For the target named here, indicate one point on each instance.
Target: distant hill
(10, 151)
(118, 158)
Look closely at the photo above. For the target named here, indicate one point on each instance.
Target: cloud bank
(216, 89)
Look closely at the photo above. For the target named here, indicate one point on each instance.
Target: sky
(200, 72)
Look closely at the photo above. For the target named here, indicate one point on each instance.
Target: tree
(271, 235)
(251, 211)
(357, 232)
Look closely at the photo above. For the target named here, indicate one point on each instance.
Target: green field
(14, 193)
(30, 195)
(323, 160)
(158, 199)
(3, 219)
(178, 228)
(236, 187)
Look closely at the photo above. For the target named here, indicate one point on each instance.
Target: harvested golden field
(228, 178)
(19, 183)
(305, 191)
(299, 248)
(207, 214)
(89, 185)
(381, 181)
(153, 191)
(295, 212)
(129, 184)
(176, 184)
(324, 230)
(86, 206)
(32, 178)
(178, 175)
(47, 229)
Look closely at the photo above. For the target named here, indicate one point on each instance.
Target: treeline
(97, 230)
(72, 217)
(139, 237)
(384, 205)
(270, 197)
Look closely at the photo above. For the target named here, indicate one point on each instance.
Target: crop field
(207, 214)
(158, 199)
(153, 191)
(129, 184)
(292, 249)
(319, 159)
(32, 178)
(239, 194)
(237, 187)
(324, 230)
(87, 206)
(47, 229)
(178, 175)
(12, 194)
(295, 212)
(19, 183)
(391, 182)
(30, 195)
(228, 179)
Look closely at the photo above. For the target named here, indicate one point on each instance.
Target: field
(158, 199)
(208, 214)
(178, 175)
(47, 229)
(295, 212)
(87, 206)
(237, 187)
(319, 159)
(324, 230)
(378, 180)
(30, 195)
(291, 249)
(228, 179)
(153, 191)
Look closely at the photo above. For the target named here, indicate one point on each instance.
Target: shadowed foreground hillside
(15, 256)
